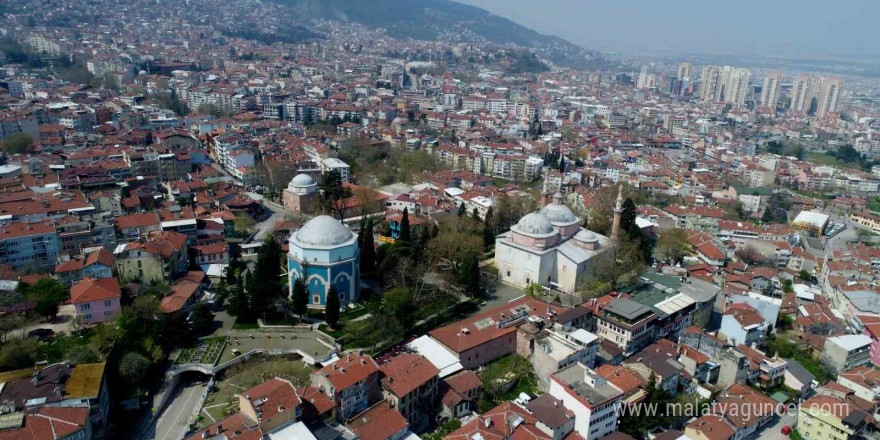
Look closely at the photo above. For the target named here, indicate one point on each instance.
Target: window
(87, 317)
(108, 302)
(316, 299)
(85, 306)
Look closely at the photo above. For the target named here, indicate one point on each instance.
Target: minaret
(545, 193)
(618, 211)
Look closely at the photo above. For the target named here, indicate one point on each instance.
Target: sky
(789, 28)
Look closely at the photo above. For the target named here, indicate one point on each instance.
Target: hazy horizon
(750, 27)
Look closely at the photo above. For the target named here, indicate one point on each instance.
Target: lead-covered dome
(586, 236)
(302, 181)
(324, 231)
(558, 213)
(535, 224)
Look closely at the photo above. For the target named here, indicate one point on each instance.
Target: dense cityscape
(292, 219)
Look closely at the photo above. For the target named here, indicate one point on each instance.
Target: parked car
(42, 334)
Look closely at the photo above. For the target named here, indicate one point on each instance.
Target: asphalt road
(174, 421)
(773, 430)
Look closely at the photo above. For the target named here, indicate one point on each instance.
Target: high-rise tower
(770, 89)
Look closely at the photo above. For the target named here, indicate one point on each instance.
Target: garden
(206, 352)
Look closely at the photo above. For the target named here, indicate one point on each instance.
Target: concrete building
(846, 352)
(742, 324)
(352, 382)
(325, 252)
(830, 90)
(825, 417)
(510, 328)
(29, 244)
(864, 380)
(801, 93)
(626, 324)
(811, 222)
(593, 400)
(770, 90)
(410, 383)
(333, 164)
(96, 300)
(554, 351)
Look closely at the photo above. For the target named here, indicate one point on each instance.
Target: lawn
(874, 205)
(827, 159)
(512, 367)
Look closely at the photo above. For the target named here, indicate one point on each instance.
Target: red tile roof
(49, 423)
(407, 372)
(466, 334)
(378, 423)
(91, 289)
(349, 370)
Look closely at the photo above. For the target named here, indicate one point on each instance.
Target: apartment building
(352, 383)
(29, 244)
(626, 324)
(593, 400)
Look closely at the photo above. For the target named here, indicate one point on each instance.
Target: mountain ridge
(435, 19)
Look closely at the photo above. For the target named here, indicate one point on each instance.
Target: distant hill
(427, 20)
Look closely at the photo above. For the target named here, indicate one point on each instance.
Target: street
(174, 421)
(264, 227)
(63, 323)
(773, 430)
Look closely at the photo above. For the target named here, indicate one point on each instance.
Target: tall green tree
(266, 281)
(331, 308)
(334, 194)
(489, 229)
(203, 319)
(368, 251)
(48, 295)
(628, 217)
(469, 276)
(239, 303)
(461, 209)
(300, 296)
(17, 143)
(405, 234)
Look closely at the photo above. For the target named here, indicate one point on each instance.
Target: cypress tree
(331, 310)
(300, 297)
(469, 275)
(405, 234)
(368, 251)
(461, 209)
(489, 229)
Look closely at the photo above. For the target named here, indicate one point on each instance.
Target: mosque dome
(324, 231)
(558, 213)
(302, 181)
(534, 224)
(586, 236)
